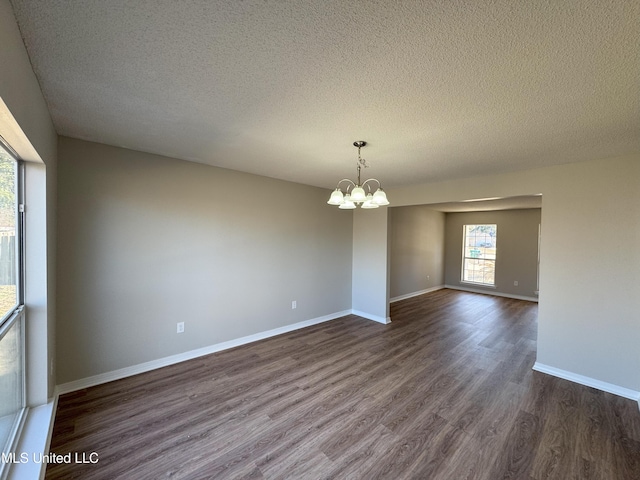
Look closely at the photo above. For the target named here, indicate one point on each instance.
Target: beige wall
(370, 292)
(517, 252)
(590, 271)
(590, 260)
(147, 241)
(26, 125)
(416, 250)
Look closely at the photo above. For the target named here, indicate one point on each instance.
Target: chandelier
(355, 192)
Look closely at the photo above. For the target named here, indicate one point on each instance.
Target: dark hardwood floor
(446, 391)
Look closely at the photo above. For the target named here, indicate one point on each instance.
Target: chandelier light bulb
(380, 198)
(358, 195)
(368, 203)
(337, 198)
(347, 204)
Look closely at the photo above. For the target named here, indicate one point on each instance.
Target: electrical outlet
(294, 305)
(515, 283)
(180, 328)
(428, 277)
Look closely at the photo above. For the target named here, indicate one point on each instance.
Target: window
(12, 379)
(479, 254)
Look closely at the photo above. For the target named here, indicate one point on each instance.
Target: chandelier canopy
(355, 193)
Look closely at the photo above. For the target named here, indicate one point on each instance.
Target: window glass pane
(479, 254)
(8, 250)
(479, 271)
(11, 381)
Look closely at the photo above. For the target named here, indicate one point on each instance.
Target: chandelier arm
(346, 180)
(371, 180)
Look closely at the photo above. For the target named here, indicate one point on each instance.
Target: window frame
(465, 257)
(16, 317)
(17, 314)
(20, 228)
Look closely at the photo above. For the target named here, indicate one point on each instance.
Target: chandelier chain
(361, 160)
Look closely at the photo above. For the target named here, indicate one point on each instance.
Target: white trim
(491, 292)
(369, 316)
(415, 294)
(181, 357)
(47, 445)
(588, 381)
(35, 440)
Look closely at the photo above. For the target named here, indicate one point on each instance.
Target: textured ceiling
(439, 89)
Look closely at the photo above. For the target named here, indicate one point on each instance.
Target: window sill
(34, 442)
(483, 285)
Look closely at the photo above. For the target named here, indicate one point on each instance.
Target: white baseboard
(491, 292)
(369, 316)
(588, 381)
(415, 294)
(181, 357)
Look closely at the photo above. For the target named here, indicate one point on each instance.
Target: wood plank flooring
(446, 391)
